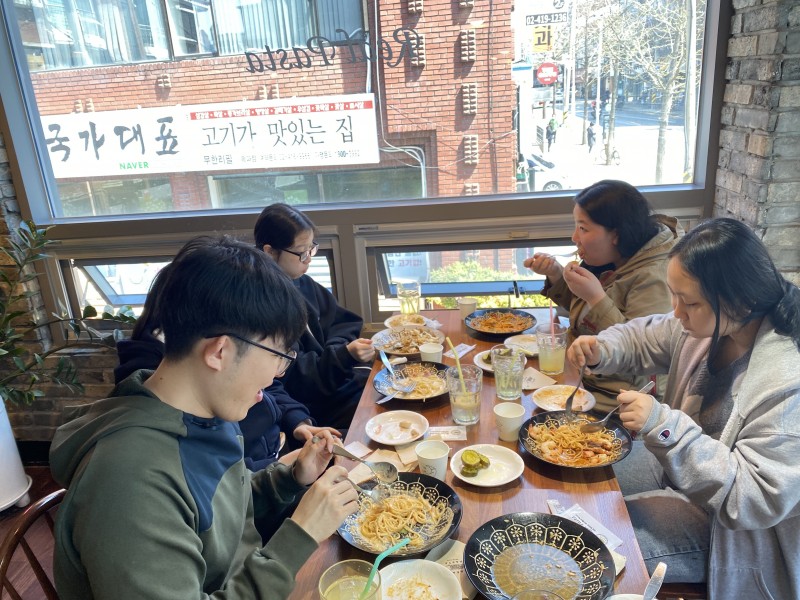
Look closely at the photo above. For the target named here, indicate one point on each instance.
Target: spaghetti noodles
(565, 444)
(501, 322)
(385, 523)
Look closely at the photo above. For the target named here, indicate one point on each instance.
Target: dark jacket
(260, 428)
(324, 376)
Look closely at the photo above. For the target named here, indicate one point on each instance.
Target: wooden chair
(683, 591)
(28, 531)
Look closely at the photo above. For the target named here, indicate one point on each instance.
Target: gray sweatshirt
(748, 480)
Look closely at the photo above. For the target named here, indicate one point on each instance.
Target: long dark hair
(618, 206)
(279, 224)
(737, 277)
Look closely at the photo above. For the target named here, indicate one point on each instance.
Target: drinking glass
(345, 580)
(508, 365)
(465, 394)
(552, 342)
(408, 292)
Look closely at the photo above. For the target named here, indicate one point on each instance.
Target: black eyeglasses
(286, 359)
(304, 256)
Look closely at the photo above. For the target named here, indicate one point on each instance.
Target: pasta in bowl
(418, 506)
(428, 377)
(497, 323)
(405, 341)
(552, 438)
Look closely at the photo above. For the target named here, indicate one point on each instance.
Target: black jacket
(324, 377)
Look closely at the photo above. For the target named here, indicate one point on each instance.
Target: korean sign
(545, 12)
(330, 130)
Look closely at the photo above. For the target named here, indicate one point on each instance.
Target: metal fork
(568, 403)
(400, 387)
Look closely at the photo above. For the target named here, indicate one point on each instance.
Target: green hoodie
(160, 505)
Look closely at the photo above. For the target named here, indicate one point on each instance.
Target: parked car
(544, 176)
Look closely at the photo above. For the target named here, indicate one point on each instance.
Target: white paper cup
(467, 306)
(432, 457)
(431, 352)
(509, 417)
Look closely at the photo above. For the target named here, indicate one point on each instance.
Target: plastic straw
(552, 321)
(378, 560)
(458, 366)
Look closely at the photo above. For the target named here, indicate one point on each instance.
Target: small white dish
(554, 397)
(407, 321)
(410, 579)
(478, 360)
(396, 427)
(504, 465)
(525, 342)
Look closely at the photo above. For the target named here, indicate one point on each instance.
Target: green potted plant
(21, 368)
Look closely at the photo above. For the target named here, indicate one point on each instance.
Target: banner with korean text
(297, 132)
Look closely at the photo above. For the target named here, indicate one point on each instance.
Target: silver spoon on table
(601, 424)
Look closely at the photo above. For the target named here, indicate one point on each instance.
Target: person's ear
(269, 250)
(213, 351)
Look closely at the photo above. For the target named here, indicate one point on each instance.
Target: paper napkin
(450, 553)
(533, 379)
(363, 473)
(462, 349)
(577, 513)
(448, 433)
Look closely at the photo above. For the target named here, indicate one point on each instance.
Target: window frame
(352, 227)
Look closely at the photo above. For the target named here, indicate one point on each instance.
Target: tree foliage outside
(473, 271)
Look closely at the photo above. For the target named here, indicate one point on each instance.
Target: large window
(138, 123)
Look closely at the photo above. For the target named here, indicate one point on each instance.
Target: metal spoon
(386, 472)
(400, 387)
(655, 582)
(601, 424)
(376, 494)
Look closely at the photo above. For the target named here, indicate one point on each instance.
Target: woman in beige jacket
(623, 249)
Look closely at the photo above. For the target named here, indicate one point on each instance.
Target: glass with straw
(552, 341)
(465, 383)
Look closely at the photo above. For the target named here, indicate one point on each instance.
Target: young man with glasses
(160, 504)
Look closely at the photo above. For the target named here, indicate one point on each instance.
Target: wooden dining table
(596, 490)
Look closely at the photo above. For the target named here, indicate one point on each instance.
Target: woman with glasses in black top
(325, 375)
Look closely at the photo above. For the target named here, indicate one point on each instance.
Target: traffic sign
(547, 73)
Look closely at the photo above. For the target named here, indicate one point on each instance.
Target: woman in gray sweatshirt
(713, 485)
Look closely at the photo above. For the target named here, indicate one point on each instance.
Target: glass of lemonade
(552, 343)
(408, 292)
(465, 395)
(346, 580)
(508, 365)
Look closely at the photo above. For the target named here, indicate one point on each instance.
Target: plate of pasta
(417, 506)
(405, 341)
(526, 550)
(428, 377)
(552, 438)
(403, 320)
(396, 427)
(419, 579)
(499, 322)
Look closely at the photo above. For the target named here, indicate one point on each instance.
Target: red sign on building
(547, 73)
